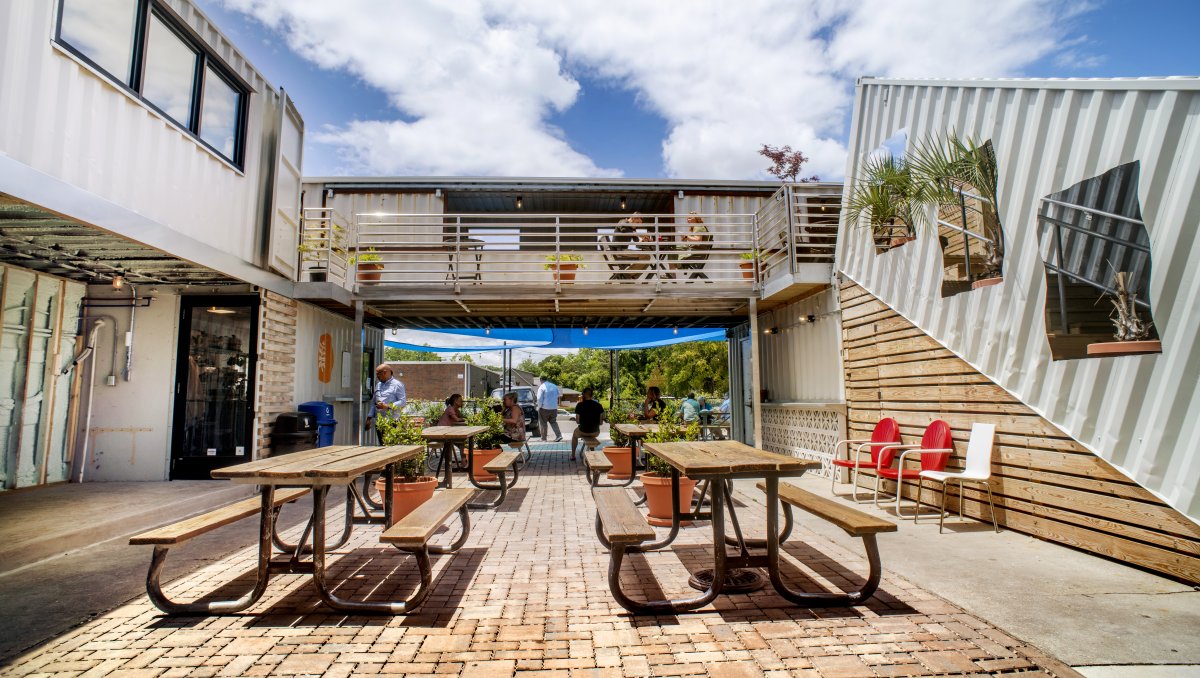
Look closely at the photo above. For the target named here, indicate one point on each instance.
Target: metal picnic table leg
(301, 547)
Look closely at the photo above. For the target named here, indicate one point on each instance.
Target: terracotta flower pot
(370, 272)
(658, 497)
(898, 240)
(747, 269)
(622, 461)
(565, 271)
(1118, 348)
(986, 282)
(407, 496)
(481, 459)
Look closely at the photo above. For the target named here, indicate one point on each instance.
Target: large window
(140, 45)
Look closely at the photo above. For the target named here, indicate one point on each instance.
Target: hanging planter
(1113, 349)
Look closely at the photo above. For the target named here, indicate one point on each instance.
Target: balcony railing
(797, 227)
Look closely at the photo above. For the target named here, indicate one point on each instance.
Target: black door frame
(199, 468)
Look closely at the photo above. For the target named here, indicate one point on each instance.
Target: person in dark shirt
(652, 406)
(588, 416)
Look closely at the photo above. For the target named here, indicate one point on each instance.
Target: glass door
(214, 386)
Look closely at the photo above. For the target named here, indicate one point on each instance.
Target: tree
(786, 164)
(391, 354)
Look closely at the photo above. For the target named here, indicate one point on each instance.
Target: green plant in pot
(410, 488)
(482, 412)
(620, 453)
(368, 264)
(564, 266)
(657, 481)
(894, 202)
(749, 261)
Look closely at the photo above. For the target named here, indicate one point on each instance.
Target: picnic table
(635, 433)
(718, 462)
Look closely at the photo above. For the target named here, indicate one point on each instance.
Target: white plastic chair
(978, 470)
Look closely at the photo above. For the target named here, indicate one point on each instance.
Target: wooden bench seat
(596, 462)
(177, 533)
(856, 523)
(618, 520)
(414, 530)
(501, 462)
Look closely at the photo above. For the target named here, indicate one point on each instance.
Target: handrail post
(962, 206)
(557, 254)
(789, 205)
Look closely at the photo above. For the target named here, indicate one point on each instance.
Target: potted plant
(410, 487)
(564, 266)
(487, 443)
(318, 270)
(749, 261)
(369, 265)
(657, 481)
(620, 453)
(1132, 333)
(894, 203)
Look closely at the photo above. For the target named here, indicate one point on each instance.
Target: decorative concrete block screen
(804, 432)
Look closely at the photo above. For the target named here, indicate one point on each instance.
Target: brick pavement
(528, 594)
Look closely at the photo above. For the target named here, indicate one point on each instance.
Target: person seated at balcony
(452, 416)
(695, 246)
(652, 406)
(623, 249)
(589, 414)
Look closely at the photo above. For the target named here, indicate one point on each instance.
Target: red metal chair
(934, 451)
(883, 439)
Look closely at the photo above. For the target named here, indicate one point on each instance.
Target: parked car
(525, 398)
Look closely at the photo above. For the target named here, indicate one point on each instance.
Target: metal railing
(325, 247)
(795, 227)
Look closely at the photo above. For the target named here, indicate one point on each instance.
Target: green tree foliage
(402, 354)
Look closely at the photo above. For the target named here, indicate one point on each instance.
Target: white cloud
(475, 81)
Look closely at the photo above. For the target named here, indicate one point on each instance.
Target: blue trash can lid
(323, 410)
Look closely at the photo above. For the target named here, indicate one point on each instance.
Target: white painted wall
(311, 323)
(803, 362)
(129, 437)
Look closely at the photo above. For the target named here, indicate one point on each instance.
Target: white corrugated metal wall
(801, 362)
(312, 323)
(61, 118)
(1140, 413)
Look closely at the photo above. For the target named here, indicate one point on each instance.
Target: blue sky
(641, 89)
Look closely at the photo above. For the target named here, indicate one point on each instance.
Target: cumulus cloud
(474, 82)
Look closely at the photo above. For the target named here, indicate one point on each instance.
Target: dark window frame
(133, 81)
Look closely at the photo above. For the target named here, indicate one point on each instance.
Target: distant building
(426, 380)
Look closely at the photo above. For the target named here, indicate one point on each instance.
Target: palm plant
(890, 198)
(950, 166)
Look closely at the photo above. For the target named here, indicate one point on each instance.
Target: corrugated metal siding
(803, 362)
(351, 204)
(59, 117)
(311, 323)
(1139, 413)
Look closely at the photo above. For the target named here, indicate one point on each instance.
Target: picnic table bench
(596, 463)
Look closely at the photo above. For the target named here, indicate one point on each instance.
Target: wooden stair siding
(1045, 483)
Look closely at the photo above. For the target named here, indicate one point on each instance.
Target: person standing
(390, 396)
(588, 416)
(547, 402)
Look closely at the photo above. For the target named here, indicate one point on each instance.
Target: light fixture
(221, 311)
(681, 194)
(395, 331)
(810, 318)
(118, 279)
(437, 192)
(771, 330)
(622, 202)
(520, 202)
(676, 329)
(585, 330)
(488, 330)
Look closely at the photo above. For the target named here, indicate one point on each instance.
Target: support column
(356, 356)
(755, 378)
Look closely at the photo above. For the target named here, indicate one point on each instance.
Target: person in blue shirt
(547, 403)
(690, 408)
(390, 396)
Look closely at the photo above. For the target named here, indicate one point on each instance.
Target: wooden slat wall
(1044, 482)
(276, 365)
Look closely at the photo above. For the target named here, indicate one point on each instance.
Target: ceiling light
(771, 330)
(622, 202)
(676, 329)
(221, 311)
(488, 330)
(520, 202)
(585, 330)
(118, 279)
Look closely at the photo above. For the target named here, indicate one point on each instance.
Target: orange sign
(325, 358)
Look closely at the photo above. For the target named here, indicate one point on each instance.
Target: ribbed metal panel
(802, 363)
(61, 118)
(1140, 413)
(311, 323)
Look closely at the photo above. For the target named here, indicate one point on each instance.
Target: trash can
(293, 432)
(325, 421)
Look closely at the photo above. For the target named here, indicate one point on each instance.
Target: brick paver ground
(528, 594)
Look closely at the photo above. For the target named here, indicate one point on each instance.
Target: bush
(484, 414)
(401, 429)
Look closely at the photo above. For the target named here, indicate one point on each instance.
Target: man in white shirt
(547, 403)
(389, 392)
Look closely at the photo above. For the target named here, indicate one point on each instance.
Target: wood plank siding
(1045, 483)
(276, 370)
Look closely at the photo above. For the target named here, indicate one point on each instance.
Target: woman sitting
(514, 420)
(653, 405)
(452, 416)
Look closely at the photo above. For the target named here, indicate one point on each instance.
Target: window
(141, 46)
(1096, 254)
(968, 220)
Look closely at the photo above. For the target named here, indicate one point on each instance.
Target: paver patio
(528, 593)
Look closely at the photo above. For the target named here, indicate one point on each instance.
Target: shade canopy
(499, 339)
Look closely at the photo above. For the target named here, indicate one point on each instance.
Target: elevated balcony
(488, 266)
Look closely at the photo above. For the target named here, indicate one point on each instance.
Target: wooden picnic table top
(636, 430)
(727, 457)
(333, 465)
(451, 433)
